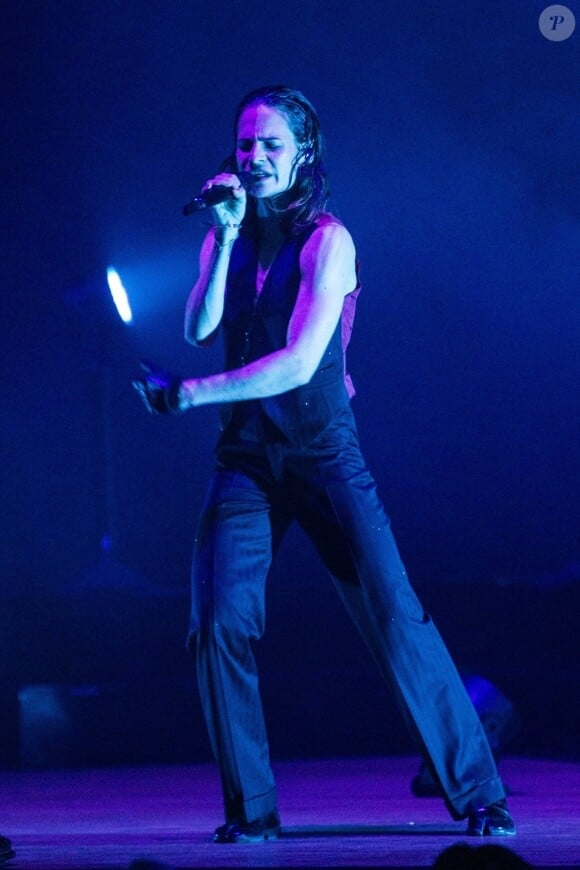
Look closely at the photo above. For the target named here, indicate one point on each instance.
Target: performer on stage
(278, 276)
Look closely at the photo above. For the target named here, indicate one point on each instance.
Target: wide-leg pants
(255, 493)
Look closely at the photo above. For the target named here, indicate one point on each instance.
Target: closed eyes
(269, 144)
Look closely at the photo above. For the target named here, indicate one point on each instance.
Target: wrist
(226, 234)
(186, 394)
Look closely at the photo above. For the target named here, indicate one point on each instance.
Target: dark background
(452, 133)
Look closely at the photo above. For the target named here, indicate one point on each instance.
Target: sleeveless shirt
(256, 325)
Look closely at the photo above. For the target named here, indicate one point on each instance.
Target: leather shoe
(264, 828)
(494, 821)
(6, 851)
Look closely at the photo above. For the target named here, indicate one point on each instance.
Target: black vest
(255, 326)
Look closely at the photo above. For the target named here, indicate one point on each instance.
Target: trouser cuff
(253, 808)
(481, 795)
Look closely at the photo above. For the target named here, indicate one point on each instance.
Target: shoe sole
(490, 832)
(264, 837)
(241, 839)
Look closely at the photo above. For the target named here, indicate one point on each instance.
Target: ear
(307, 154)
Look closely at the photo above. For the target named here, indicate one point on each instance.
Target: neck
(268, 225)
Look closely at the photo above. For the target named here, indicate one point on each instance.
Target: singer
(278, 277)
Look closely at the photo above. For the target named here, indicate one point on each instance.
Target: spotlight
(119, 294)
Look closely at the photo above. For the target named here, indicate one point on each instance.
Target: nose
(256, 155)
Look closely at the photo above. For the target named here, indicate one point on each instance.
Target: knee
(224, 610)
(228, 629)
(222, 648)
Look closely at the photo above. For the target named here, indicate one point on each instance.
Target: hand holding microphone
(225, 194)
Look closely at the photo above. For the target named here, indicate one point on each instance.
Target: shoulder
(329, 237)
(328, 258)
(328, 223)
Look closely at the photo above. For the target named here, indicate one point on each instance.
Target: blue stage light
(119, 294)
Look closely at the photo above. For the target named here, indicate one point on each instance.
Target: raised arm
(327, 268)
(204, 308)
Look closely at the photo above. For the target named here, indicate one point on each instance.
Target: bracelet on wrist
(223, 243)
(219, 245)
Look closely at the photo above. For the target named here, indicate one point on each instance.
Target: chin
(282, 197)
(266, 192)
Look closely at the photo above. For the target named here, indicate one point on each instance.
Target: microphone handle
(214, 195)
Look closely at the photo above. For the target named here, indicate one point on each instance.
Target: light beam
(119, 294)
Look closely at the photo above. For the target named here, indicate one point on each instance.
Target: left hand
(158, 389)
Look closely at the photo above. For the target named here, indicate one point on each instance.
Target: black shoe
(6, 851)
(265, 828)
(493, 821)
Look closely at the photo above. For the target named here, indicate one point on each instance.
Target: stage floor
(341, 813)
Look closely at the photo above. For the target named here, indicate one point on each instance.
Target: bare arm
(327, 267)
(205, 305)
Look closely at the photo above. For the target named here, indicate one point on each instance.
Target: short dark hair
(311, 184)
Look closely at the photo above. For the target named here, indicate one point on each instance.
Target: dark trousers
(255, 493)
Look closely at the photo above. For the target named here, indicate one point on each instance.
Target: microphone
(215, 195)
